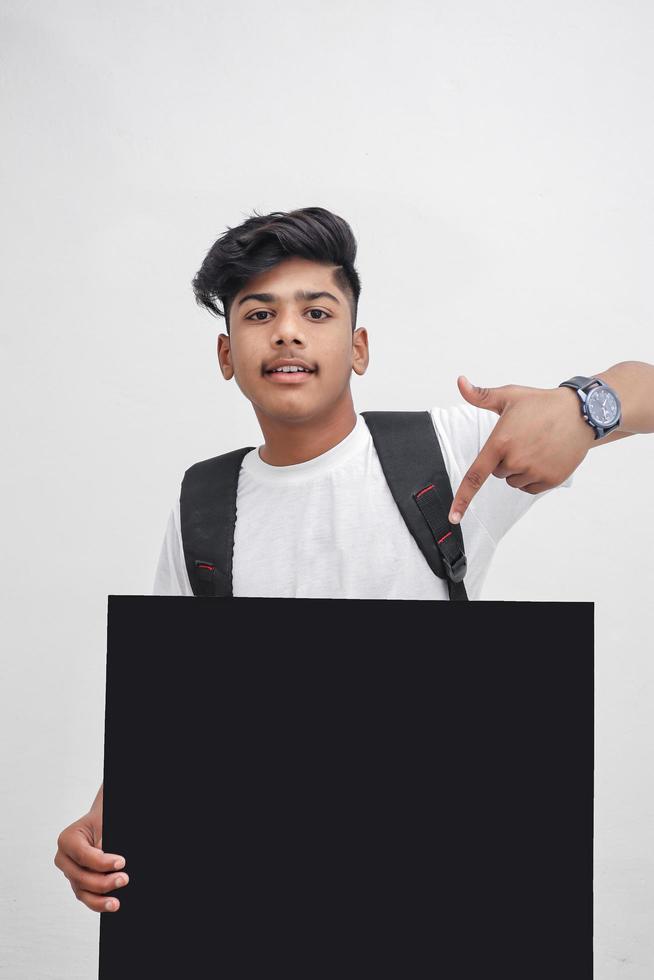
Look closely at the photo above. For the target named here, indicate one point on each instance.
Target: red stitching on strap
(444, 536)
(430, 487)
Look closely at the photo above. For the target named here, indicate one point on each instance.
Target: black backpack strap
(207, 507)
(412, 461)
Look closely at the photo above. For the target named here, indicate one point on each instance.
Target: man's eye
(256, 314)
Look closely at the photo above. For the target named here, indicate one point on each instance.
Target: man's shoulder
(464, 418)
(462, 430)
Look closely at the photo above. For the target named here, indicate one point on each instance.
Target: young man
(312, 499)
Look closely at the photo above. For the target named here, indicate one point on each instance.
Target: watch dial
(602, 407)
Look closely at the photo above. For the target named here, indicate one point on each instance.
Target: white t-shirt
(330, 528)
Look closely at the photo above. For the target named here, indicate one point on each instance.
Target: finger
(502, 470)
(489, 457)
(518, 480)
(535, 488)
(91, 881)
(76, 846)
(97, 903)
(493, 399)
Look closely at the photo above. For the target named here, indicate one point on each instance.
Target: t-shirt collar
(353, 443)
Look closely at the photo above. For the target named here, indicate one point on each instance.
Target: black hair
(263, 241)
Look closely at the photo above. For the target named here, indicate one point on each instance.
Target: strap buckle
(456, 570)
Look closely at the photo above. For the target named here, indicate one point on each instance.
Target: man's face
(274, 318)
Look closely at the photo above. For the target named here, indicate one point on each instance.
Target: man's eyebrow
(304, 294)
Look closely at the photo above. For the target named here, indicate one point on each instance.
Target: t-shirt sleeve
(171, 576)
(462, 431)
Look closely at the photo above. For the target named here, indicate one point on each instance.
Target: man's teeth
(288, 368)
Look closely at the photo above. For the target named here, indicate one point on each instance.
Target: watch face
(602, 406)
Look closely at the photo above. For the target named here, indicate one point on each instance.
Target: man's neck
(287, 443)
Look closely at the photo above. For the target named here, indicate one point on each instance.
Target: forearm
(634, 383)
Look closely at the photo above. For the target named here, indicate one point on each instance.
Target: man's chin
(285, 410)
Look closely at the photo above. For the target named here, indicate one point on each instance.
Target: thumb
(490, 398)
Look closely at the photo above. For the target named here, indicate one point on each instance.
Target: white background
(495, 162)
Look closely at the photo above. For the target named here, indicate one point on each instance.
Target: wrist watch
(600, 405)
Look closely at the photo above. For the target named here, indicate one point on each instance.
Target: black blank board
(309, 788)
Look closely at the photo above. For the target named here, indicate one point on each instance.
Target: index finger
(79, 850)
(474, 479)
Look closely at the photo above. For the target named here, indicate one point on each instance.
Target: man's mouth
(288, 375)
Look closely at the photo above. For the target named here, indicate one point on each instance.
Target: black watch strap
(579, 381)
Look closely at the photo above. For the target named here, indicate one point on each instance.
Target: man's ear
(360, 355)
(224, 357)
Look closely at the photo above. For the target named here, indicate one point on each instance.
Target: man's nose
(289, 331)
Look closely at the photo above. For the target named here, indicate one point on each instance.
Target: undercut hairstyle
(263, 241)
